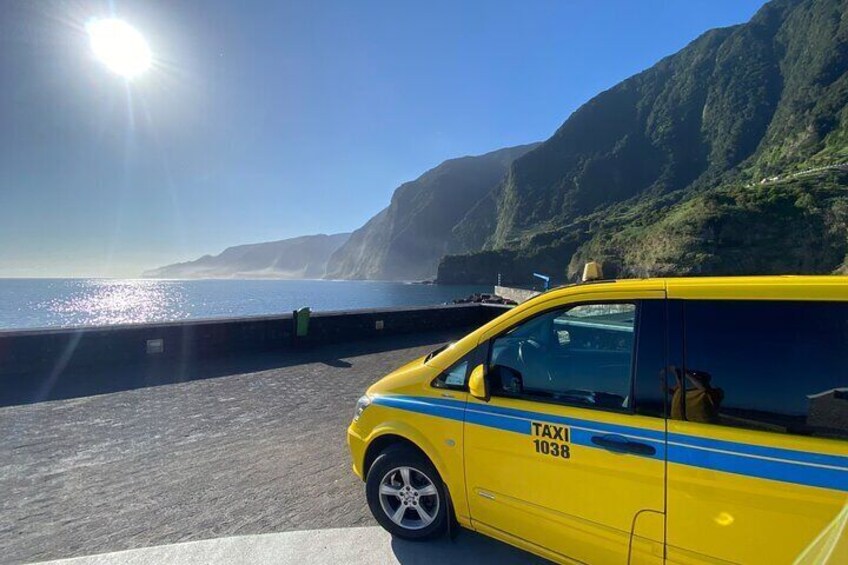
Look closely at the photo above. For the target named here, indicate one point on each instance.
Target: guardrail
(27, 351)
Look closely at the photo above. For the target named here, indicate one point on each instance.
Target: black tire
(386, 467)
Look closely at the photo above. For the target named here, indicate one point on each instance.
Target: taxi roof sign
(592, 272)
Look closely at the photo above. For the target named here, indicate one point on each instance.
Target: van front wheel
(406, 494)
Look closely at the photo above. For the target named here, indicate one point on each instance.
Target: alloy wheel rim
(409, 498)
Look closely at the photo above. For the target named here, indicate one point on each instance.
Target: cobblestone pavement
(259, 448)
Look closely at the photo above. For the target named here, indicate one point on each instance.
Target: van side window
(454, 377)
(580, 355)
(765, 365)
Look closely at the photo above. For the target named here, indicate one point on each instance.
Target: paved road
(247, 446)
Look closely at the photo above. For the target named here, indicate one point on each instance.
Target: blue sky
(266, 120)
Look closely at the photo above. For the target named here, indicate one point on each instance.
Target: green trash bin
(301, 321)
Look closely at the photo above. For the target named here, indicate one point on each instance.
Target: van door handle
(620, 444)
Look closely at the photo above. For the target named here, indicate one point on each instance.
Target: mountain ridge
(302, 257)
(407, 239)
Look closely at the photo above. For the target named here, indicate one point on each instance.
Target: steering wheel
(532, 355)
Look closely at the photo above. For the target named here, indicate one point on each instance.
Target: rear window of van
(772, 366)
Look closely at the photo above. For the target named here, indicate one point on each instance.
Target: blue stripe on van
(740, 464)
(641, 434)
(761, 450)
(800, 467)
(518, 421)
(423, 405)
(493, 420)
(501, 417)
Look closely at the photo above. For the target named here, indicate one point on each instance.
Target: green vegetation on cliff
(687, 167)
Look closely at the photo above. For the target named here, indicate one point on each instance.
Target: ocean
(39, 303)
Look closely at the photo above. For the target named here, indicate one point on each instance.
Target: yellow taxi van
(699, 420)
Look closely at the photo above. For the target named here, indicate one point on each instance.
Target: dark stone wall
(58, 349)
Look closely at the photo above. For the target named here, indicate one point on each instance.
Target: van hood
(402, 377)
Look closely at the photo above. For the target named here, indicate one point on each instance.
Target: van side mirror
(477, 385)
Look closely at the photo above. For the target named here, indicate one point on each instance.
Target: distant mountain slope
(406, 240)
(664, 172)
(296, 258)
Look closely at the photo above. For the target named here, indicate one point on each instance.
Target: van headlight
(361, 404)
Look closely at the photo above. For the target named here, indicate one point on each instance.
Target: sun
(119, 46)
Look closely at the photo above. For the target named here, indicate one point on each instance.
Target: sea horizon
(28, 303)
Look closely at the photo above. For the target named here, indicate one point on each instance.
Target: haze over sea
(36, 303)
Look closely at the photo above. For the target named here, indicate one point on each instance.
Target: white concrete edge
(360, 545)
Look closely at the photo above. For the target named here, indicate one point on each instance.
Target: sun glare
(119, 46)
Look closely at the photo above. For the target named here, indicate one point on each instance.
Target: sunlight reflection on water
(97, 302)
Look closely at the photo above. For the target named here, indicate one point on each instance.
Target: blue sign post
(544, 278)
